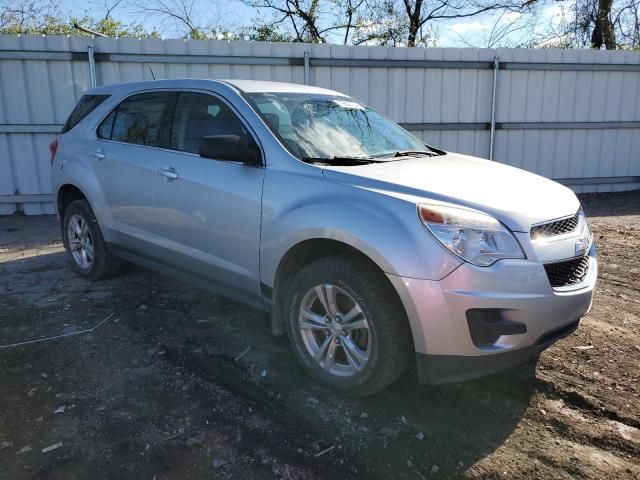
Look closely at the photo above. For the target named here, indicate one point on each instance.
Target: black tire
(103, 264)
(389, 332)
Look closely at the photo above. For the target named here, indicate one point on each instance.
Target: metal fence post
(306, 68)
(92, 65)
(492, 138)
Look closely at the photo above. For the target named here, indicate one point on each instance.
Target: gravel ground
(178, 384)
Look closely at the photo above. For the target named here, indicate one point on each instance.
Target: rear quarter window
(84, 107)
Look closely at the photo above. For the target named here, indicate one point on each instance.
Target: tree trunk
(414, 20)
(413, 32)
(603, 32)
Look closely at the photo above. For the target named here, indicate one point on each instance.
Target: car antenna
(149, 66)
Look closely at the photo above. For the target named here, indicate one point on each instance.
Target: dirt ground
(178, 384)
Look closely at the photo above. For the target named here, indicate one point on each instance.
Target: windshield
(325, 126)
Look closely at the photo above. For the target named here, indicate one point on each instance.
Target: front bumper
(519, 290)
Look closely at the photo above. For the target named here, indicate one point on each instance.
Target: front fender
(384, 228)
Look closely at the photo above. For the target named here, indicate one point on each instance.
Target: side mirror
(230, 147)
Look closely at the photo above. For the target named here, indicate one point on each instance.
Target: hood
(516, 197)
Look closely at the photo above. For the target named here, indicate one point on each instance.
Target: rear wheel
(86, 249)
(347, 325)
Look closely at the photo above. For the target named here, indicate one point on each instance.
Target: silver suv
(370, 249)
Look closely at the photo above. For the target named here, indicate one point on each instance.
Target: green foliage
(267, 33)
(50, 25)
(196, 34)
(113, 28)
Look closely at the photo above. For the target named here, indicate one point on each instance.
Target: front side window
(326, 126)
(198, 115)
(137, 120)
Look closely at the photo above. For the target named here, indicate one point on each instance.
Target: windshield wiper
(341, 160)
(410, 153)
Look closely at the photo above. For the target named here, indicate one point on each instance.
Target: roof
(245, 86)
(257, 86)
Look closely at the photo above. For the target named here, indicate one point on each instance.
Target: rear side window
(84, 107)
(106, 127)
(137, 120)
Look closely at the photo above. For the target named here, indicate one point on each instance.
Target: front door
(210, 209)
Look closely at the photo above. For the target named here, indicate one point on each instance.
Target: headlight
(476, 237)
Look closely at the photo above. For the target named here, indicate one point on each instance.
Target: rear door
(129, 141)
(210, 208)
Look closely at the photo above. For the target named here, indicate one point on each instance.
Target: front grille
(567, 272)
(557, 227)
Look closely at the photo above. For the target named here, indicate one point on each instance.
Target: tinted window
(84, 107)
(136, 120)
(106, 127)
(199, 115)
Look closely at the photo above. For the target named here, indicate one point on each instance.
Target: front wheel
(347, 325)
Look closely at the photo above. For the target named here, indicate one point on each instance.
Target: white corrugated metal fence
(572, 115)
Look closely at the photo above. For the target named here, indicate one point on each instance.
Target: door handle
(170, 173)
(99, 155)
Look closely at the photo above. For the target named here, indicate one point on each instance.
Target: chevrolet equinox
(369, 248)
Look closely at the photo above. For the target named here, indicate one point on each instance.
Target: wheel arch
(67, 193)
(305, 252)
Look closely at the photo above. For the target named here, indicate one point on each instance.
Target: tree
(382, 23)
(593, 23)
(424, 12)
(350, 10)
(189, 19)
(26, 14)
(45, 18)
(300, 15)
(315, 21)
(416, 22)
(576, 24)
(603, 32)
(626, 23)
(179, 12)
(49, 25)
(264, 33)
(511, 29)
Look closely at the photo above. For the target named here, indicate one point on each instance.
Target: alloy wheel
(335, 330)
(80, 241)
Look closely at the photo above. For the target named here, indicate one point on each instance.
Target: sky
(474, 31)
